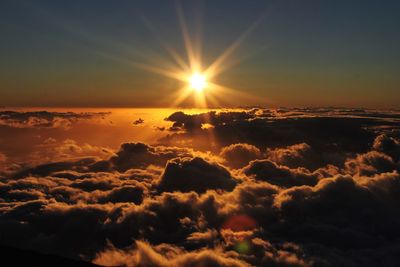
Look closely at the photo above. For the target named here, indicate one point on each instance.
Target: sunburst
(198, 81)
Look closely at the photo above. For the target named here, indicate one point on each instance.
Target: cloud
(194, 122)
(388, 145)
(165, 256)
(70, 148)
(138, 121)
(194, 174)
(370, 163)
(266, 170)
(206, 237)
(138, 155)
(62, 214)
(239, 155)
(330, 132)
(298, 155)
(123, 194)
(46, 119)
(48, 168)
(342, 212)
(324, 193)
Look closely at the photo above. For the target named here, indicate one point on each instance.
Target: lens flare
(243, 247)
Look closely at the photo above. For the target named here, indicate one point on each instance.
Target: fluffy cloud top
(292, 198)
(194, 174)
(239, 155)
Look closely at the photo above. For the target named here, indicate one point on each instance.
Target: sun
(198, 81)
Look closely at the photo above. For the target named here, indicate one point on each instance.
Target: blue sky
(315, 52)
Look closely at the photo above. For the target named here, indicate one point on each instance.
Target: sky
(295, 53)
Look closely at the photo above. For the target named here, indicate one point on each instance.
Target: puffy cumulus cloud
(80, 165)
(194, 174)
(166, 255)
(330, 191)
(70, 148)
(370, 163)
(126, 193)
(288, 255)
(332, 134)
(266, 170)
(249, 205)
(298, 155)
(160, 205)
(182, 121)
(343, 213)
(79, 213)
(206, 237)
(52, 150)
(260, 252)
(46, 119)
(137, 155)
(72, 156)
(69, 187)
(239, 155)
(388, 145)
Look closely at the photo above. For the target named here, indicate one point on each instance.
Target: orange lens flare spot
(198, 81)
(240, 223)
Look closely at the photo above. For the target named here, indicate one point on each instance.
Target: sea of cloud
(250, 187)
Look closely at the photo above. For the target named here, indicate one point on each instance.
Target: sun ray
(216, 66)
(171, 51)
(228, 93)
(193, 62)
(214, 103)
(200, 100)
(198, 37)
(181, 95)
(178, 75)
(175, 66)
(239, 60)
(171, 71)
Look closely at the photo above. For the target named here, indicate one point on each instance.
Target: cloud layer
(269, 194)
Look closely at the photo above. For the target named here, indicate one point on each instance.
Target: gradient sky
(302, 53)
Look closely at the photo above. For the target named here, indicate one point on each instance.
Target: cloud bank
(269, 194)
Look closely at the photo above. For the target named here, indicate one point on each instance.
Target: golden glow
(195, 76)
(198, 81)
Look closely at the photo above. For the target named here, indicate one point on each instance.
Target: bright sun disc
(198, 81)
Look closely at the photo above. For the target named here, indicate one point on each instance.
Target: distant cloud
(45, 119)
(138, 121)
